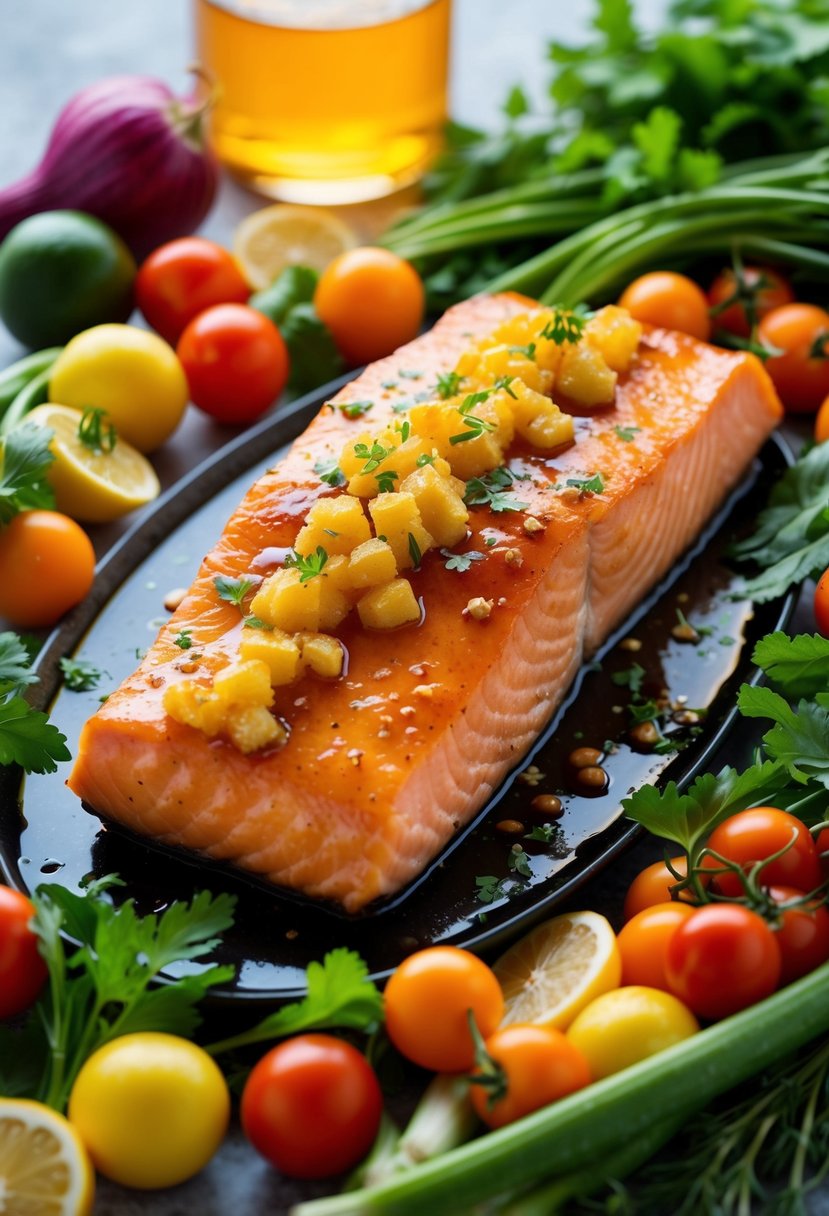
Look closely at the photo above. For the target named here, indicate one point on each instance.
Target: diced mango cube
(323, 654)
(337, 524)
(397, 518)
(244, 683)
(277, 649)
(585, 377)
(195, 705)
(252, 727)
(389, 606)
(441, 507)
(371, 563)
(539, 420)
(615, 333)
(286, 603)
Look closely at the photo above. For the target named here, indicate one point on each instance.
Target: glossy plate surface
(470, 896)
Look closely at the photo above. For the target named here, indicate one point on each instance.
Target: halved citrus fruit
(560, 967)
(283, 235)
(93, 483)
(44, 1167)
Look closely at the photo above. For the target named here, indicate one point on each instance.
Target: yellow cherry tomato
(621, 1028)
(151, 1109)
(133, 375)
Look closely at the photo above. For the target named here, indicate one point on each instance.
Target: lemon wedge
(560, 967)
(44, 1167)
(91, 484)
(283, 235)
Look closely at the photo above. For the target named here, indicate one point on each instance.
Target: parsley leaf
(15, 664)
(798, 738)
(373, 456)
(309, 567)
(461, 561)
(233, 590)
(631, 678)
(385, 480)
(26, 457)
(183, 639)
(80, 675)
(355, 409)
(449, 385)
(330, 472)
(567, 324)
(626, 433)
(519, 862)
(587, 485)
(799, 666)
(491, 491)
(28, 738)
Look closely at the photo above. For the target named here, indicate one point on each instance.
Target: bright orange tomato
(47, 565)
(643, 943)
(539, 1064)
(372, 301)
(427, 1003)
(669, 300)
(801, 372)
(653, 886)
(822, 604)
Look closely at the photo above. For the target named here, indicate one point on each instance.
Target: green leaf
(28, 738)
(461, 561)
(80, 675)
(314, 356)
(798, 740)
(233, 590)
(295, 285)
(657, 138)
(799, 666)
(491, 490)
(614, 19)
(516, 103)
(26, 457)
(15, 664)
(330, 472)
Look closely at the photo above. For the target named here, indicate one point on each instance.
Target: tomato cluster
(762, 927)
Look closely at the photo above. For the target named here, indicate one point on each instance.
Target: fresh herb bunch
(637, 117)
(27, 737)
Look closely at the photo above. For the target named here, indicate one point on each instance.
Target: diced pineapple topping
(337, 524)
(371, 563)
(277, 649)
(440, 503)
(237, 705)
(397, 519)
(324, 655)
(389, 606)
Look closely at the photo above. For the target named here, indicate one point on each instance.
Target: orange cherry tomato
(822, 423)
(822, 604)
(723, 959)
(372, 301)
(801, 372)
(653, 886)
(764, 288)
(643, 943)
(539, 1064)
(183, 278)
(802, 935)
(671, 301)
(427, 1002)
(47, 565)
(753, 835)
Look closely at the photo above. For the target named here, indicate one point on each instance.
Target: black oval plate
(46, 834)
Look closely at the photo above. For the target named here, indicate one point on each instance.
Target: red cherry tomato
(801, 372)
(822, 846)
(372, 301)
(822, 604)
(427, 1002)
(235, 361)
(653, 886)
(765, 289)
(669, 300)
(643, 943)
(540, 1065)
(183, 278)
(47, 566)
(802, 935)
(22, 970)
(753, 835)
(312, 1106)
(722, 959)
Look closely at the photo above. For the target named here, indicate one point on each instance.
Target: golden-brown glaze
(382, 766)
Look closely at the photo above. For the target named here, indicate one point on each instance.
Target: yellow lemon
(623, 1027)
(551, 974)
(44, 1167)
(132, 374)
(283, 235)
(92, 483)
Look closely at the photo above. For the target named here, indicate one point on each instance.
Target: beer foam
(322, 14)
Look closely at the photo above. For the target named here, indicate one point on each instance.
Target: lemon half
(44, 1167)
(554, 972)
(90, 485)
(283, 235)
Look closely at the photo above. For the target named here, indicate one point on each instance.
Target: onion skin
(128, 151)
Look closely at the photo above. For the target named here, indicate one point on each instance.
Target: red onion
(129, 152)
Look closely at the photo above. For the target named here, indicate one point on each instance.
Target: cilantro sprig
(567, 325)
(493, 491)
(26, 459)
(310, 566)
(234, 590)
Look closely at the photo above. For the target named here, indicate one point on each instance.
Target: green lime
(62, 272)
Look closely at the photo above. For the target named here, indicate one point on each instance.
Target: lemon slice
(44, 1167)
(91, 485)
(555, 971)
(283, 235)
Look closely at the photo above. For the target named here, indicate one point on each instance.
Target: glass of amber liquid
(326, 101)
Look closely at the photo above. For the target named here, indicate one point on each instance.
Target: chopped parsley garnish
(355, 409)
(233, 590)
(385, 480)
(461, 561)
(519, 862)
(309, 567)
(404, 429)
(567, 325)
(449, 385)
(490, 541)
(544, 833)
(329, 471)
(388, 384)
(414, 552)
(475, 426)
(80, 675)
(492, 490)
(94, 433)
(631, 678)
(256, 622)
(587, 485)
(183, 640)
(373, 456)
(626, 433)
(504, 382)
(527, 351)
(423, 459)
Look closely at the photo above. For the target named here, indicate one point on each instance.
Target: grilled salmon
(383, 765)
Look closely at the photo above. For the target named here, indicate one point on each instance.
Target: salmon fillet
(384, 765)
